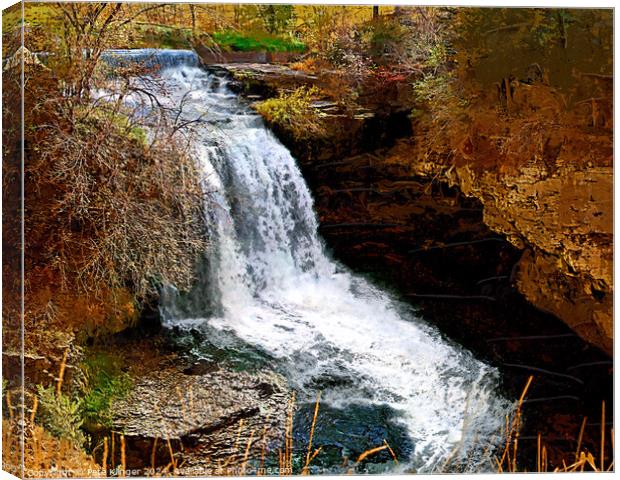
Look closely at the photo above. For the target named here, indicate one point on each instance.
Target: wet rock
(263, 80)
(201, 367)
(397, 219)
(198, 415)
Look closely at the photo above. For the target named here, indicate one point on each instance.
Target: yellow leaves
(294, 113)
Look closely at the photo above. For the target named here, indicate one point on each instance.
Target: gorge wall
(563, 223)
(548, 195)
(541, 166)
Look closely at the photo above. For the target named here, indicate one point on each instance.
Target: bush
(111, 212)
(386, 37)
(110, 215)
(60, 415)
(294, 113)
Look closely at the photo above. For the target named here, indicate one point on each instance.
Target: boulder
(197, 418)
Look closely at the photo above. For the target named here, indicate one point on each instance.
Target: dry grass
(110, 215)
(508, 460)
(61, 455)
(44, 455)
(582, 460)
(311, 455)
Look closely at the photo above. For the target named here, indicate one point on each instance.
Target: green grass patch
(69, 415)
(159, 36)
(240, 42)
(104, 383)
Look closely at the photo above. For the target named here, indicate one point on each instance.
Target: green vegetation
(294, 113)
(277, 18)
(104, 383)
(60, 415)
(162, 36)
(237, 41)
(88, 407)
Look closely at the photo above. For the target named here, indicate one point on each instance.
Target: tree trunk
(192, 12)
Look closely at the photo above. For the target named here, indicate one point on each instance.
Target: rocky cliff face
(543, 173)
(547, 191)
(204, 416)
(564, 224)
(562, 221)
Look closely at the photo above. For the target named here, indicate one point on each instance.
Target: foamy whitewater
(272, 285)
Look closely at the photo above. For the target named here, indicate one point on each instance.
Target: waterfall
(150, 57)
(271, 285)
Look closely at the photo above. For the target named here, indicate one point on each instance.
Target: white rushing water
(275, 288)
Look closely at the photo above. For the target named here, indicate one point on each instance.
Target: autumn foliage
(113, 203)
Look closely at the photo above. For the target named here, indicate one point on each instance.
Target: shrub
(110, 215)
(111, 212)
(386, 36)
(294, 113)
(60, 415)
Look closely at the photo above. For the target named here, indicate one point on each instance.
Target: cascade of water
(278, 290)
(151, 57)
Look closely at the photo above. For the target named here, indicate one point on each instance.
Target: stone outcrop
(562, 220)
(543, 172)
(376, 119)
(564, 223)
(193, 417)
(263, 79)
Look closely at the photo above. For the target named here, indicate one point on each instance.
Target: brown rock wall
(564, 221)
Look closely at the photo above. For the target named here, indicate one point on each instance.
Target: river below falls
(269, 296)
